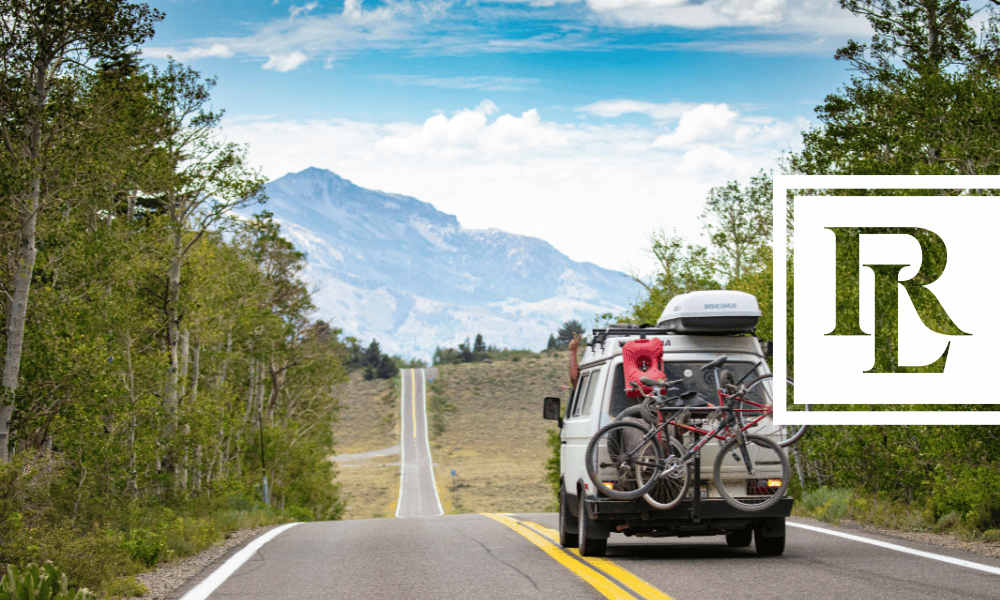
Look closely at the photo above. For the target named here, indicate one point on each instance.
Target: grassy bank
(486, 425)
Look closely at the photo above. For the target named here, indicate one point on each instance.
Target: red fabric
(642, 358)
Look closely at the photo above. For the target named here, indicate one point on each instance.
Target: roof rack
(626, 329)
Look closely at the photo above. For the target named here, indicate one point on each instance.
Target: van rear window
(694, 379)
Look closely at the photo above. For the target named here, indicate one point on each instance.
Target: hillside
(494, 438)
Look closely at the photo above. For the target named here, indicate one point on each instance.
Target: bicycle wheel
(672, 485)
(755, 485)
(758, 396)
(616, 453)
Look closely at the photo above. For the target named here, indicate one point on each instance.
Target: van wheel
(589, 546)
(770, 546)
(568, 525)
(740, 538)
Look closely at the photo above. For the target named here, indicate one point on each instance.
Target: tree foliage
(164, 340)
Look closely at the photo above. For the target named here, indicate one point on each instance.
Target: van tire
(589, 546)
(569, 526)
(740, 538)
(770, 546)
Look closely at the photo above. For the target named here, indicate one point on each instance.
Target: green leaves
(38, 583)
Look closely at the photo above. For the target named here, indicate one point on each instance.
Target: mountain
(393, 268)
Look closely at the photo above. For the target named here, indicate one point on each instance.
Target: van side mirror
(550, 409)
(768, 347)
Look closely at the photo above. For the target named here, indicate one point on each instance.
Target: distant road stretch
(418, 495)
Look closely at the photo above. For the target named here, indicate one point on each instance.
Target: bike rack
(696, 500)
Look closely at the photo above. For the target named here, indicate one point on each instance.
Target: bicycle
(761, 387)
(625, 460)
(754, 409)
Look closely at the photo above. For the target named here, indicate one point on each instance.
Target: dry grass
(371, 487)
(369, 420)
(495, 439)
(369, 415)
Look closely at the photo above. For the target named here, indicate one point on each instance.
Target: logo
(886, 298)
(934, 257)
(718, 306)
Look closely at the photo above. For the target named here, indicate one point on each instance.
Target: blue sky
(590, 124)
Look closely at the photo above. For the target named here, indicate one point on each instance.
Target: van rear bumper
(640, 512)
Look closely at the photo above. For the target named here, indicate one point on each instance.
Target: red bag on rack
(642, 358)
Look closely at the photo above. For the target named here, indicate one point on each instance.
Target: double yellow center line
(605, 576)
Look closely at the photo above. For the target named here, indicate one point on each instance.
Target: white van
(695, 329)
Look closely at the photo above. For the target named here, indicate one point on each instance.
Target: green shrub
(144, 546)
(297, 513)
(991, 535)
(34, 583)
(826, 504)
(125, 587)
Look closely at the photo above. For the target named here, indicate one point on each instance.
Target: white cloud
(285, 62)
(617, 108)
(820, 17)
(469, 132)
(216, 50)
(294, 11)
(703, 123)
(529, 175)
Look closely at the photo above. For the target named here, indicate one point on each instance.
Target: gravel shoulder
(936, 539)
(170, 580)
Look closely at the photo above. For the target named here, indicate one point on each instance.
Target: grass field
(488, 429)
(369, 420)
(494, 439)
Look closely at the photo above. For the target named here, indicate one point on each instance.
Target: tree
(682, 268)
(552, 342)
(372, 355)
(565, 334)
(738, 224)
(479, 348)
(39, 40)
(465, 352)
(386, 367)
(925, 100)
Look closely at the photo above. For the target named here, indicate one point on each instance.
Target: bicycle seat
(715, 363)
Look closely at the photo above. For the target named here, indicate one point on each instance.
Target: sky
(590, 124)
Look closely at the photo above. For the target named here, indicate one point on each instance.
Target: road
(495, 556)
(478, 557)
(418, 495)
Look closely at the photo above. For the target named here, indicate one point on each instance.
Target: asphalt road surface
(418, 495)
(515, 556)
(476, 557)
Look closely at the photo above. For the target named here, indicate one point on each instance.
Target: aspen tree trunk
(183, 352)
(24, 265)
(196, 368)
(132, 488)
(130, 211)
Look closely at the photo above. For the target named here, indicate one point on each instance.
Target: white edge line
(402, 443)
(206, 587)
(427, 442)
(940, 557)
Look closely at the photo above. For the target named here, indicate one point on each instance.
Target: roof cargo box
(711, 312)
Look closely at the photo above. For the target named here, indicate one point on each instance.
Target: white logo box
(830, 369)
